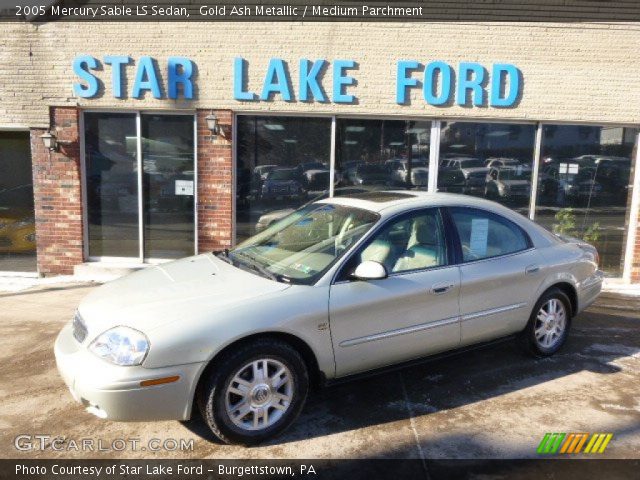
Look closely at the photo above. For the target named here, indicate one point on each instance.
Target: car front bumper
(115, 393)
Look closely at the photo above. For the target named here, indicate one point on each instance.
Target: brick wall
(215, 183)
(57, 191)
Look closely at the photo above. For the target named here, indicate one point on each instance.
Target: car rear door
(413, 312)
(500, 272)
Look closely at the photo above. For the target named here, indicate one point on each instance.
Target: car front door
(500, 272)
(411, 313)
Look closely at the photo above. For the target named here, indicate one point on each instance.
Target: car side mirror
(370, 270)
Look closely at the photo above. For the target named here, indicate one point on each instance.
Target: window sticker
(184, 187)
(479, 236)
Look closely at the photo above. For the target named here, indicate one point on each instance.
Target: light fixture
(51, 142)
(212, 124)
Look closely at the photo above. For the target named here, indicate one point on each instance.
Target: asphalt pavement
(494, 402)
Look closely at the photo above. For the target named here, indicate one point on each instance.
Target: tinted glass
(489, 160)
(17, 221)
(413, 242)
(584, 186)
(282, 163)
(168, 185)
(381, 154)
(484, 235)
(111, 184)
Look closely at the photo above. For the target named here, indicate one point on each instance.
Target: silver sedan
(340, 287)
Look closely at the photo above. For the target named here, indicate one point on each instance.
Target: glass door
(111, 184)
(168, 185)
(140, 185)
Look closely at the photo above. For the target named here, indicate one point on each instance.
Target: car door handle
(532, 269)
(440, 288)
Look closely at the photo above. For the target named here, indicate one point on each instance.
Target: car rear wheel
(254, 392)
(548, 325)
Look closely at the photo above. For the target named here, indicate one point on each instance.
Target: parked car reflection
(17, 223)
(283, 183)
(472, 168)
(510, 183)
(368, 174)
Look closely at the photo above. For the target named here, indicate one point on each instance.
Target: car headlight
(121, 346)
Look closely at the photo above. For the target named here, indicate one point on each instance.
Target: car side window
(483, 234)
(413, 242)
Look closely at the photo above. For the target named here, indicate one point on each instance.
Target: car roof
(400, 200)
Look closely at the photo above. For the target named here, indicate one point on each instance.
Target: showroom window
(382, 154)
(282, 163)
(489, 160)
(584, 186)
(139, 185)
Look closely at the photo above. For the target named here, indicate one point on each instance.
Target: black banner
(319, 469)
(40, 11)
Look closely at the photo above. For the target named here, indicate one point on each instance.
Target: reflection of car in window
(509, 183)
(399, 169)
(473, 170)
(283, 183)
(368, 174)
(17, 222)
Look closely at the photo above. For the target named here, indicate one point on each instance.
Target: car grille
(5, 242)
(79, 328)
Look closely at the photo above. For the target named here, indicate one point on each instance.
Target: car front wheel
(548, 325)
(254, 392)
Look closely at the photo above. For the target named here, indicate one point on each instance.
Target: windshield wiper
(223, 255)
(256, 267)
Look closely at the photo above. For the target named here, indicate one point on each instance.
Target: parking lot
(490, 403)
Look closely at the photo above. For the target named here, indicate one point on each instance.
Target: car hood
(474, 170)
(281, 183)
(166, 293)
(515, 183)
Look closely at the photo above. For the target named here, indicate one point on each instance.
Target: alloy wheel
(551, 323)
(259, 394)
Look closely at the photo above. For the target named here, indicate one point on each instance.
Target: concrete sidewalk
(490, 403)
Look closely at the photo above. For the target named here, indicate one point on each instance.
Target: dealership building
(128, 144)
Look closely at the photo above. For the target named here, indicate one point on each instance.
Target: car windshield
(516, 173)
(282, 175)
(471, 163)
(371, 168)
(302, 246)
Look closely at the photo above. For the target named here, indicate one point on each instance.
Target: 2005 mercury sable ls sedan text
(342, 286)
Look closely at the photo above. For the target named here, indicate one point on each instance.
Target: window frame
(139, 259)
(492, 215)
(341, 275)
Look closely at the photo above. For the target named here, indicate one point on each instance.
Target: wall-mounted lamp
(215, 128)
(51, 142)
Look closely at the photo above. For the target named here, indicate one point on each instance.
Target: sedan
(340, 287)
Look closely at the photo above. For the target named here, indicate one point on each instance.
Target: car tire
(217, 401)
(548, 325)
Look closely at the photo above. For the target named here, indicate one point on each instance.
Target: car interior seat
(380, 250)
(425, 248)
